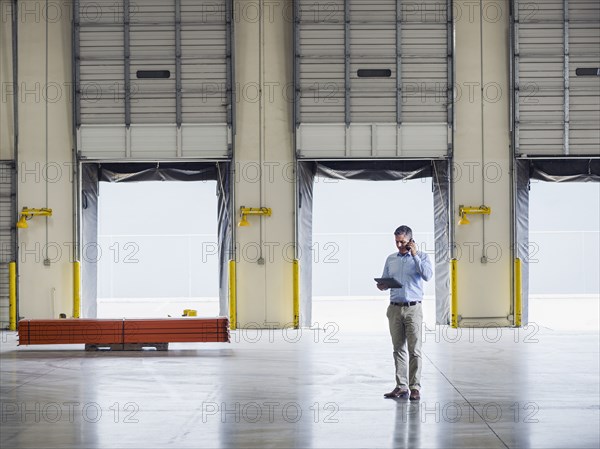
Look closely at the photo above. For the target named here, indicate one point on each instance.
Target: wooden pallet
(130, 333)
(126, 346)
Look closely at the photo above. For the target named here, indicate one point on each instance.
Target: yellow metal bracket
(28, 214)
(245, 211)
(463, 211)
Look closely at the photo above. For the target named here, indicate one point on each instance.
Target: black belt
(405, 304)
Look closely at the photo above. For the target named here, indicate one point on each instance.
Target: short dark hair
(405, 230)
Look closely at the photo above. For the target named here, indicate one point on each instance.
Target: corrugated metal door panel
(103, 141)
(101, 70)
(586, 11)
(151, 33)
(203, 63)
(558, 114)
(101, 42)
(584, 98)
(540, 77)
(423, 39)
(329, 109)
(372, 11)
(372, 140)
(321, 12)
(372, 39)
(7, 236)
(546, 11)
(152, 47)
(541, 138)
(321, 61)
(98, 12)
(424, 74)
(541, 39)
(547, 106)
(585, 138)
(332, 94)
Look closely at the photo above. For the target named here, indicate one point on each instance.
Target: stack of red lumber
(122, 331)
(174, 330)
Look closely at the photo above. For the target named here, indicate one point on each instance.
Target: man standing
(410, 268)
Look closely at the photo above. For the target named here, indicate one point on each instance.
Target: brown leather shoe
(414, 394)
(396, 393)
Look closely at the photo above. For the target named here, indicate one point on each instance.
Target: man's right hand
(382, 286)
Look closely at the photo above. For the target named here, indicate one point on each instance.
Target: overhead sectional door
(153, 79)
(557, 77)
(7, 235)
(373, 78)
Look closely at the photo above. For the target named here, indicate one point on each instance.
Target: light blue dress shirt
(410, 272)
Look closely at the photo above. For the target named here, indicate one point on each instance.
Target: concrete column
(45, 159)
(264, 159)
(6, 94)
(482, 162)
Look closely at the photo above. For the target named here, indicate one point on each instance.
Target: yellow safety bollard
(518, 294)
(296, 294)
(12, 296)
(232, 297)
(76, 289)
(454, 293)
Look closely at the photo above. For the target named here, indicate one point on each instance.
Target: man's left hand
(412, 248)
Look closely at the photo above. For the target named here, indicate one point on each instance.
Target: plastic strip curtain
(89, 239)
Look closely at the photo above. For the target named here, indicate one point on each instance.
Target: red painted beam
(115, 331)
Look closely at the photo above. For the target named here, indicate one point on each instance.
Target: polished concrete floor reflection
(534, 387)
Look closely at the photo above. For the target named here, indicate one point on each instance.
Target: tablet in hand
(389, 282)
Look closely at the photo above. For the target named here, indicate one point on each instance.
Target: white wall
(264, 135)
(482, 155)
(45, 163)
(264, 165)
(6, 93)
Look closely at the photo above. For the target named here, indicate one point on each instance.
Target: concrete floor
(497, 388)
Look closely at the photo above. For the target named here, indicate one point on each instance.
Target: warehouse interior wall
(45, 168)
(7, 239)
(264, 164)
(6, 76)
(262, 171)
(8, 187)
(481, 163)
(93, 173)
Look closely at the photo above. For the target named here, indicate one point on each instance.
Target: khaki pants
(405, 329)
